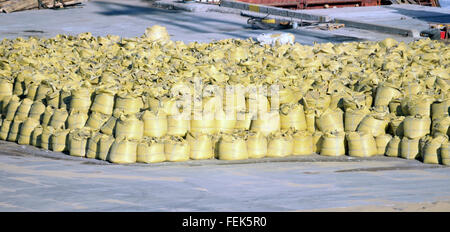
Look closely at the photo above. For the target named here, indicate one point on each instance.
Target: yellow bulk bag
(201, 146)
(150, 150)
(123, 151)
(225, 122)
(361, 144)
(156, 33)
(333, 144)
(48, 113)
(6, 88)
(32, 90)
(24, 109)
(244, 120)
(36, 110)
(353, 117)
(59, 118)
(288, 95)
(52, 99)
(177, 125)
(331, 120)
(76, 120)
(440, 109)
(396, 126)
(310, 118)
(203, 123)
(432, 151)
(393, 147)
(374, 124)
(77, 142)
(385, 93)
(6, 125)
(58, 140)
(13, 104)
(266, 123)
(382, 143)
(317, 141)
(409, 148)
(176, 149)
(440, 126)
(65, 96)
(104, 145)
(96, 120)
(42, 91)
(128, 104)
(256, 145)
(292, 116)
(395, 107)
(92, 145)
(416, 126)
(14, 130)
(445, 153)
(280, 144)
(232, 147)
(36, 136)
(47, 132)
(4, 104)
(303, 143)
(26, 129)
(129, 126)
(389, 43)
(314, 100)
(108, 127)
(103, 102)
(420, 105)
(80, 100)
(155, 123)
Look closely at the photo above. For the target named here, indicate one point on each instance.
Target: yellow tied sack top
(128, 104)
(232, 147)
(432, 152)
(176, 149)
(280, 144)
(292, 116)
(58, 140)
(385, 93)
(123, 151)
(26, 129)
(155, 123)
(416, 126)
(201, 146)
(81, 100)
(129, 126)
(150, 150)
(331, 120)
(303, 143)
(374, 124)
(256, 145)
(361, 144)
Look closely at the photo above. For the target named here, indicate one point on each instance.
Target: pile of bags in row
(112, 98)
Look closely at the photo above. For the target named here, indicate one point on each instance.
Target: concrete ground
(35, 180)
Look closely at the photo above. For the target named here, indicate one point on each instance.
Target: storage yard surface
(32, 179)
(38, 180)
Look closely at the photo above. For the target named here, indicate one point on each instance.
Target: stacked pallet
(8, 6)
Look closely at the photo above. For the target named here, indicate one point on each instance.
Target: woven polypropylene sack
(96, 120)
(103, 102)
(104, 145)
(382, 143)
(232, 148)
(59, 118)
(333, 144)
(225, 121)
(244, 120)
(256, 145)
(393, 147)
(440, 109)
(373, 124)
(266, 123)
(396, 126)
(310, 118)
(26, 129)
(177, 125)
(331, 120)
(123, 151)
(150, 151)
(92, 145)
(432, 152)
(36, 136)
(48, 113)
(108, 127)
(176, 149)
(129, 127)
(292, 116)
(352, 118)
(47, 132)
(155, 123)
(52, 99)
(361, 144)
(14, 130)
(203, 123)
(58, 140)
(24, 109)
(37, 110)
(13, 105)
(317, 141)
(201, 146)
(128, 104)
(409, 148)
(416, 126)
(303, 143)
(77, 142)
(6, 88)
(76, 120)
(6, 125)
(385, 93)
(440, 126)
(80, 100)
(445, 153)
(280, 145)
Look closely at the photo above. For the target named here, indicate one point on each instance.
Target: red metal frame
(314, 4)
